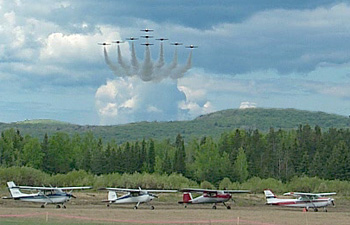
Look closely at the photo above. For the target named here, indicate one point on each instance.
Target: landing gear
(152, 207)
(58, 206)
(185, 206)
(42, 206)
(135, 207)
(64, 206)
(315, 210)
(227, 206)
(107, 205)
(214, 207)
(325, 209)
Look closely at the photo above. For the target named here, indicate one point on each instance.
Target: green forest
(237, 156)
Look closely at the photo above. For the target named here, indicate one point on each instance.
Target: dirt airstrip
(248, 209)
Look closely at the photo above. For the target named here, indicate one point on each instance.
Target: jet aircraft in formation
(147, 37)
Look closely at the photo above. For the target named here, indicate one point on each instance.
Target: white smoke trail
(113, 67)
(161, 57)
(149, 71)
(147, 68)
(122, 63)
(134, 61)
(174, 62)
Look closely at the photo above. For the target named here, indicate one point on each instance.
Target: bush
(23, 176)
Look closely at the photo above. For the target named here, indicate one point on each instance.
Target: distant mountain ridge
(212, 124)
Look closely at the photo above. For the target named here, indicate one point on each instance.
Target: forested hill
(212, 124)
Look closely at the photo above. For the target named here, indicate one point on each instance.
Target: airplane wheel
(185, 206)
(325, 210)
(228, 207)
(135, 207)
(214, 207)
(58, 206)
(152, 207)
(64, 207)
(107, 205)
(42, 206)
(315, 210)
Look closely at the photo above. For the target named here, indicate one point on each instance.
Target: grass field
(248, 209)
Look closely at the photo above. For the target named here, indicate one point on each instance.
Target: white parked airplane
(209, 196)
(132, 196)
(46, 195)
(304, 200)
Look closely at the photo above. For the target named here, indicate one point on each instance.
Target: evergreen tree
(151, 157)
(180, 155)
(241, 166)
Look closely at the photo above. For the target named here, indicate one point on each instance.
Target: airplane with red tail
(209, 196)
(304, 200)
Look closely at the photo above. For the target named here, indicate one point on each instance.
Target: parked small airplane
(46, 195)
(304, 200)
(132, 196)
(209, 196)
(147, 44)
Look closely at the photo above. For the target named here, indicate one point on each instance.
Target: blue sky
(259, 53)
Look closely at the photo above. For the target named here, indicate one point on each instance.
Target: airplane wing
(161, 191)
(52, 188)
(138, 190)
(303, 194)
(198, 190)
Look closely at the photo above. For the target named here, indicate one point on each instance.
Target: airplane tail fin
(187, 197)
(15, 192)
(269, 195)
(112, 196)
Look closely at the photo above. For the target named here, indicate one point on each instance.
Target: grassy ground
(247, 209)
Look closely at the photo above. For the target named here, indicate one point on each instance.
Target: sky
(255, 53)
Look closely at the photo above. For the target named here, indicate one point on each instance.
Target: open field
(88, 209)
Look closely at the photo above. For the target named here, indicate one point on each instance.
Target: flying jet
(46, 195)
(162, 39)
(304, 200)
(147, 36)
(176, 43)
(208, 196)
(132, 39)
(132, 196)
(147, 44)
(118, 42)
(104, 43)
(147, 30)
(191, 46)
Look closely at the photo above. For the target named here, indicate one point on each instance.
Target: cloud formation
(276, 54)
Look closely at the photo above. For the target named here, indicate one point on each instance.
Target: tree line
(237, 155)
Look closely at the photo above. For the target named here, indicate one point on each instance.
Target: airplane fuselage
(57, 198)
(206, 198)
(129, 198)
(302, 203)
